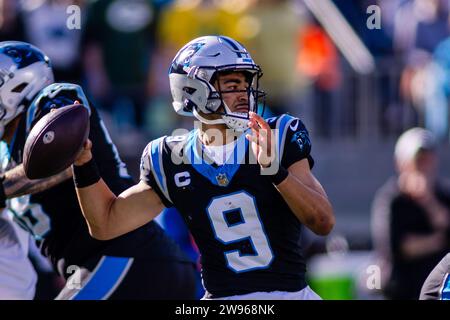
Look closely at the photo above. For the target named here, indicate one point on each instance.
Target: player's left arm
(17, 184)
(307, 199)
(300, 189)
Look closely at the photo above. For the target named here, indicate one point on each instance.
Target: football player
(141, 264)
(243, 185)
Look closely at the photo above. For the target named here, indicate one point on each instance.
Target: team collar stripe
(194, 151)
(157, 166)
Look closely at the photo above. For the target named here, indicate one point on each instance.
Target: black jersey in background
(54, 216)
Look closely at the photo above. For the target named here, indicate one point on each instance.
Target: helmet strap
(233, 120)
(204, 120)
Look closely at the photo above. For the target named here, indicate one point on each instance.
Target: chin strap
(233, 120)
(206, 121)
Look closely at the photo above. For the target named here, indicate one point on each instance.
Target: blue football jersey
(247, 235)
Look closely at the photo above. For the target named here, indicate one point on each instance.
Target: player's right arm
(109, 216)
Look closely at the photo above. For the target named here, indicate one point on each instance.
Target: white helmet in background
(194, 70)
(24, 71)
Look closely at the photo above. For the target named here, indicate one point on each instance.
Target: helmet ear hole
(20, 87)
(213, 105)
(189, 90)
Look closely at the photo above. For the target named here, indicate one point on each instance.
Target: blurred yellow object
(272, 39)
(188, 19)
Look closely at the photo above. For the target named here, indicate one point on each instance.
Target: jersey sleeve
(292, 141)
(152, 170)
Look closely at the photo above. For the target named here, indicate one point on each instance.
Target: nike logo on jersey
(294, 127)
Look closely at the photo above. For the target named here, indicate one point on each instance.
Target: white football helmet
(24, 71)
(193, 71)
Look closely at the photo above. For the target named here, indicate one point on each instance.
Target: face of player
(426, 162)
(234, 91)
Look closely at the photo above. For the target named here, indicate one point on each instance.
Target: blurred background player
(412, 216)
(247, 224)
(45, 25)
(115, 29)
(143, 264)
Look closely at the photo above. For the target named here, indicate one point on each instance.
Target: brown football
(55, 141)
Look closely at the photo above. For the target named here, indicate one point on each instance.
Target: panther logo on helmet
(183, 59)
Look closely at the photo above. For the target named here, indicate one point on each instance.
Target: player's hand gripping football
(85, 154)
(262, 140)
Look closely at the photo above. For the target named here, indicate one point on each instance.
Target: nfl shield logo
(222, 179)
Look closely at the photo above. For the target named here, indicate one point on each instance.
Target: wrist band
(2, 192)
(86, 174)
(279, 176)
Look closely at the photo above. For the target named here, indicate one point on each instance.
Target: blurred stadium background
(358, 72)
